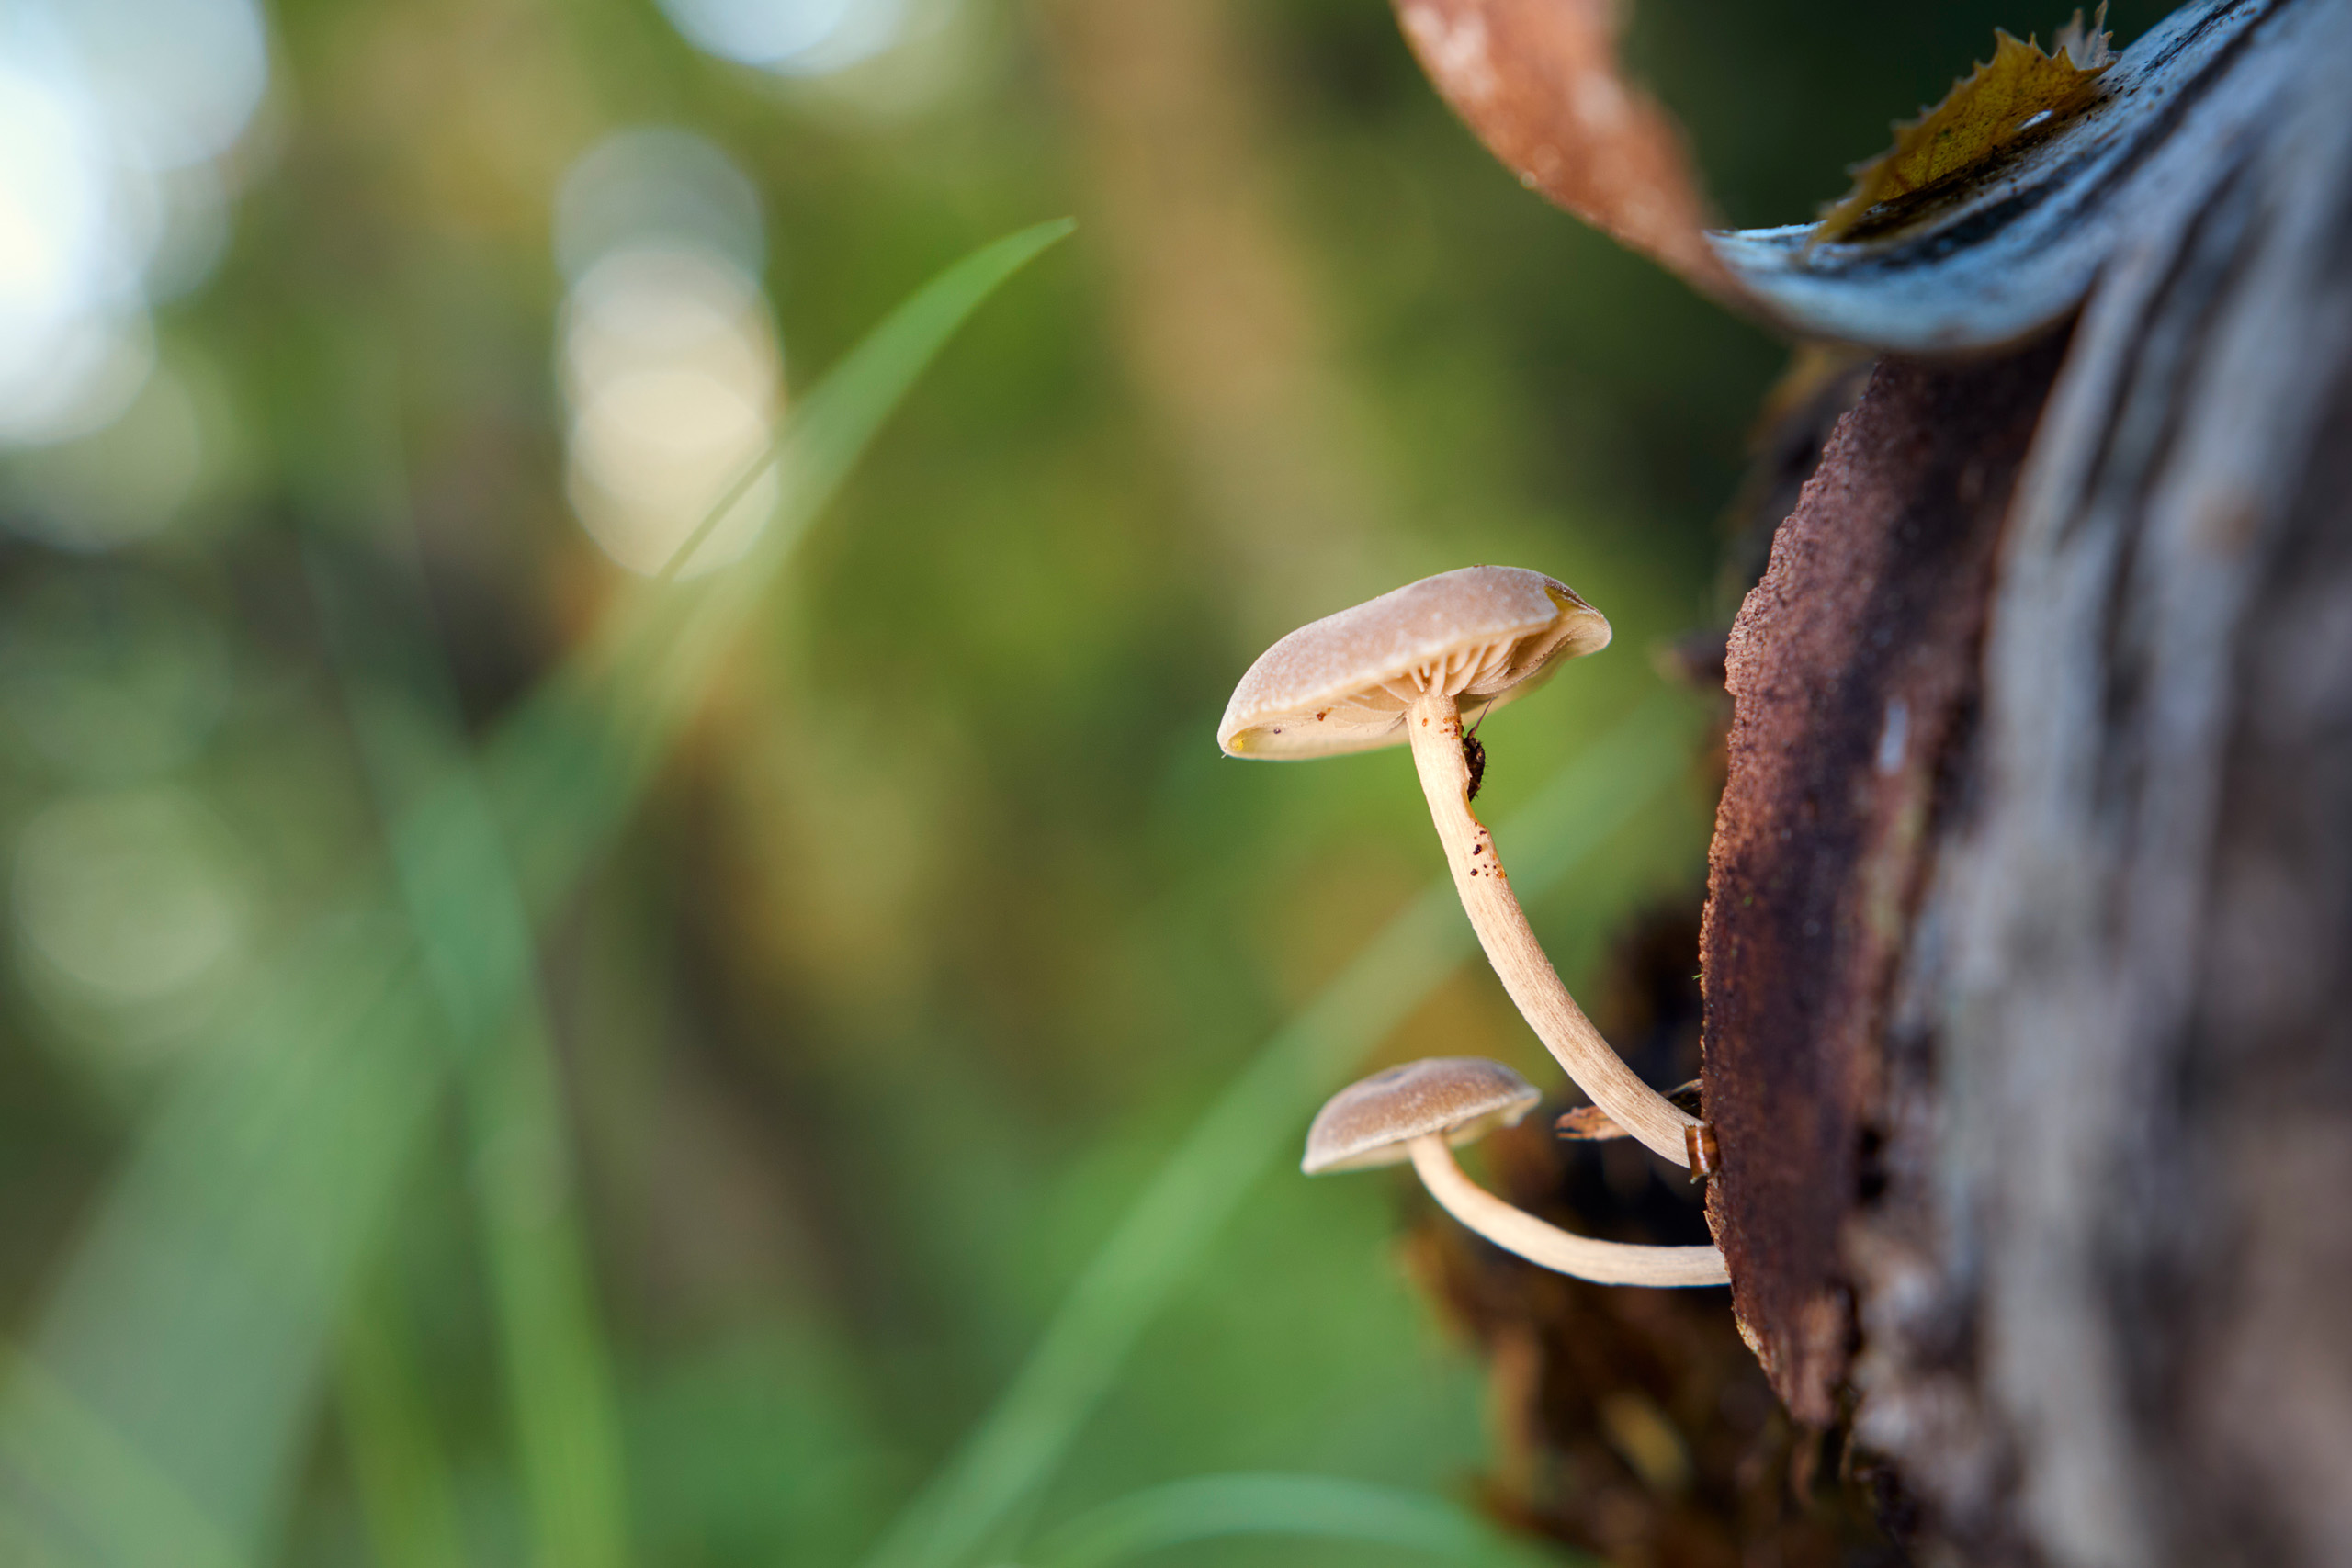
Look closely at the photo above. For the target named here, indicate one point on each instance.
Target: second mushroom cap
(1371, 1122)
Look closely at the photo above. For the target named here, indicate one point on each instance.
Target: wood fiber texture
(2027, 951)
(1852, 666)
(2102, 1289)
(2027, 1031)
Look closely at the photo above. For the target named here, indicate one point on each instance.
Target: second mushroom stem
(1434, 725)
(1516, 1230)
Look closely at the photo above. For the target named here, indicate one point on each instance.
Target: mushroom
(1410, 666)
(1422, 1110)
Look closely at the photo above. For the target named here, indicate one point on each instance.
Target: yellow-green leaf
(2020, 92)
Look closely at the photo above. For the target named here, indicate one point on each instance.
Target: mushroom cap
(1368, 1124)
(1486, 634)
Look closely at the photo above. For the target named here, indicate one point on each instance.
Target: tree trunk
(2028, 952)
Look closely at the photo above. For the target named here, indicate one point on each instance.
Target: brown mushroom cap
(1369, 1123)
(1484, 633)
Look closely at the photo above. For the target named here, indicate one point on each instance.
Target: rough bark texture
(1852, 665)
(2063, 998)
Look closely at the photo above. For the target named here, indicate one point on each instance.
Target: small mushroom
(1423, 1110)
(1407, 667)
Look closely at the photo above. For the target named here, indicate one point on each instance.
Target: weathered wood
(2002, 250)
(1982, 258)
(2028, 949)
(1852, 664)
(2088, 1105)
(2102, 1294)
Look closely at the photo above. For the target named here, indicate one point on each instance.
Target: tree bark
(2029, 952)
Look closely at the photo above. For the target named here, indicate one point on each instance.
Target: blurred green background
(507, 1060)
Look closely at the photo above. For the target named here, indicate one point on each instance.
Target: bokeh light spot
(656, 186)
(177, 79)
(668, 358)
(800, 38)
(111, 115)
(131, 896)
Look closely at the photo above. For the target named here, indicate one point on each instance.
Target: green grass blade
(54, 1440)
(475, 939)
(557, 1368)
(1313, 1506)
(404, 1481)
(1250, 1128)
(193, 1319)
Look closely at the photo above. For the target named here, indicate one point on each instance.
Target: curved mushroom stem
(1434, 724)
(1516, 1230)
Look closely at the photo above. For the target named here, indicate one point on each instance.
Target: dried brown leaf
(1538, 81)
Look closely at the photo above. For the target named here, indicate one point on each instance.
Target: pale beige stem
(1434, 724)
(1516, 1230)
